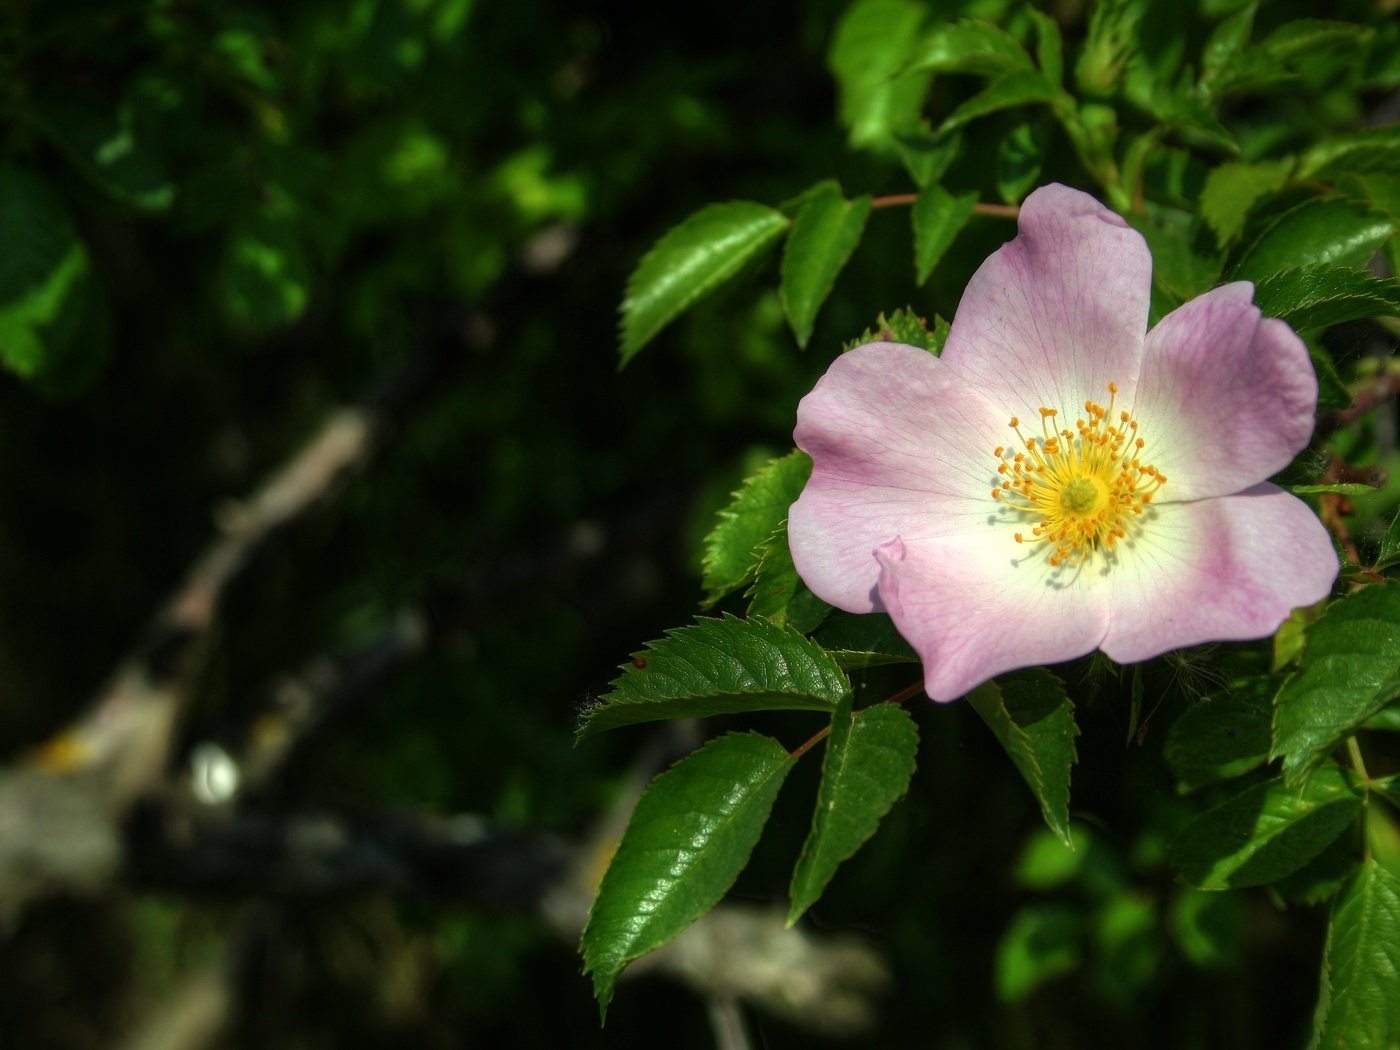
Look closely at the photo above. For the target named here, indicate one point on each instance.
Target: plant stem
(907, 693)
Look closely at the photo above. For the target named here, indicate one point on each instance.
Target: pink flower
(1058, 481)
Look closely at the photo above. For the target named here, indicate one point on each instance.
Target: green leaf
(1319, 296)
(1233, 188)
(1321, 230)
(756, 509)
(1319, 51)
(904, 326)
(689, 838)
(719, 667)
(1364, 151)
(45, 278)
(1014, 89)
(1043, 942)
(1331, 391)
(873, 42)
(1034, 721)
(1350, 669)
(1049, 47)
(1348, 488)
(1223, 47)
(969, 47)
(925, 155)
(1266, 832)
(869, 760)
(1358, 1005)
(1390, 545)
(823, 236)
(1019, 160)
(857, 641)
(778, 593)
(267, 275)
(689, 262)
(108, 149)
(937, 216)
(1223, 736)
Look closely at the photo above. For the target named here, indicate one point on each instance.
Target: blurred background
(326, 507)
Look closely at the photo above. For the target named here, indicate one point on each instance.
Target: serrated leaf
(1223, 736)
(1014, 89)
(690, 261)
(824, 234)
(938, 216)
(1322, 230)
(1350, 669)
(1233, 188)
(719, 667)
(778, 593)
(1359, 1002)
(45, 276)
(1319, 296)
(1364, 151)
(689, 838)
(904, 326)
(870, 757)
(872, 43)
(1034, 721)
(1266, 832)
(969, 47)
(857, 641)
(756, 509)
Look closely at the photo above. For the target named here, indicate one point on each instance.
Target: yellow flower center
(1082, 488)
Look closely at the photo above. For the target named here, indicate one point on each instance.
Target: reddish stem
(907, 693)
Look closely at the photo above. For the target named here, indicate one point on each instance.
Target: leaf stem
(907, 693)
(1357, 763)
(896, 200)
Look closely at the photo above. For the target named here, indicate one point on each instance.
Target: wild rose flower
(1062, 480)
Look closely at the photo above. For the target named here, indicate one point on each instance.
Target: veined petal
(972, 610)
(1225, 398)
(1222, 569)
(1054, 316)
(898, 447)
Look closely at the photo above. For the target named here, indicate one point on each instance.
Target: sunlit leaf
(1318, 296)
(937, 216)
(1014, 89)
(824, 234)
(1359, 1000)
(1322, 230)
(755, 511)
(1233, 188)
(873, 41)
(969, 47)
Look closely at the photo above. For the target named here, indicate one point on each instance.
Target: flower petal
(1225, 398)
(898, 447)
(1054, 316)
(1221, 569)
(972, 610)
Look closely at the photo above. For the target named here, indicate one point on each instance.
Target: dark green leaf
(757, 508)
(1317, 50)
(1034, 721)
(927, 156)
(1180, 267)
(1362, 151)
(267, 275)
(45, 279)
(1014, 89)
(856, 642)
(1223, 736)
(1319, 231)
(1019, 159)
(904, 326)
(1044, 941)
(1233, 188)
(869, 759)
(1358, 1006)
(778, 593)
(823, 236)
(1318, 296)
(107, 148)
(873, 42)
(690, 261)
(1049, 47)
(1389, 787)
(1390, 545)
(969, 47)
(1321, 878)
(688, 840)
(937, 216)
(1331, 391)
(1223, 47)
(1266, 832)
(1350, 670)
(719, 667)
(1386, 720)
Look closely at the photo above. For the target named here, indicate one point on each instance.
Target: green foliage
(1232, 189)
(970, 47)
(690, 261)
(904, 326)
(1224, 736)
(1320, 296)
(1359, 1003)
(1322, 230)
(719, 667)
(1266, 832)
(1033, 719)
(938, 216)
(869, 761)
(778, 592)
(1350, 669)
(858, 642)
(873, 42)
(758, 507)
(689, 838)
(1007, 92)
(824, 234)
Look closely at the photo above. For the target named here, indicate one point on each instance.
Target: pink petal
(1054, 316)
(972, 610)
(898, 447)
(1225, 399)
(1216, 570)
